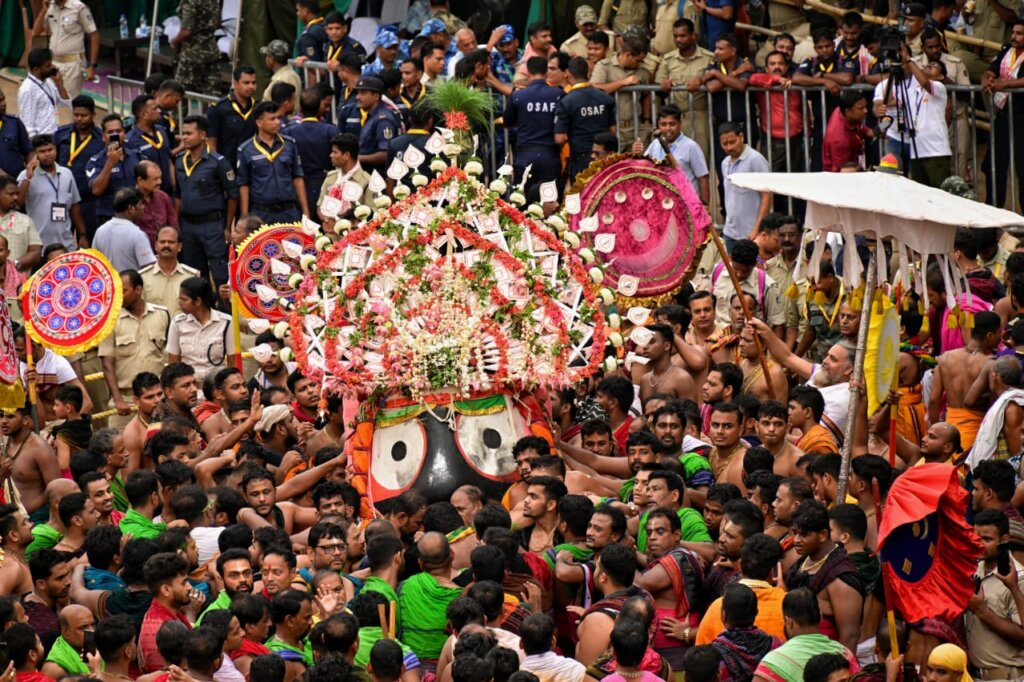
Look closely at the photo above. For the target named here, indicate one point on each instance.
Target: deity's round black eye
(398, 451)
(492, 438)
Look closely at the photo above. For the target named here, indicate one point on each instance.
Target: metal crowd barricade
(121, 92)
(976, 108)
(314, 72)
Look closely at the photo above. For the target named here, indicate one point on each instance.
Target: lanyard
(156, 144)
(169, 120)
(417, 131)
(823, 69)
(333, 52)
(314, 22)
(312, 119)
(835, 311)
(410, 101)
(45, 92)
(238, 110)
(585, 84)
(54, 185)
(77, 149)
(267, 154)
(184, 162)
(363, 113)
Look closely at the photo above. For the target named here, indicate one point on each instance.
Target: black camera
(891, 40)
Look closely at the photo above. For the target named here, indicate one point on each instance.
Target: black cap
(915, 9)
(371, 83)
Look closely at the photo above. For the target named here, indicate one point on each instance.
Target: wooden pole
(33, 394)
(747, 313)
(383, 620)
(858, 372)
(236, 304)
(894, 409)
(825, 8)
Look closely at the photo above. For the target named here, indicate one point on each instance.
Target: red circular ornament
(262, 269)
(72, 302)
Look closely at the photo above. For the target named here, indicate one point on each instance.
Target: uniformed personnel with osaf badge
(381, 125)
(586, 112)
(531, 111)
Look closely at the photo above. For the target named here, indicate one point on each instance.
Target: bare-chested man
(790, 494)
(1001, 376)
(754, 382)
(47, 535)
(956, 372)
(772, 426)
(693, 357)
(826, 569)
(726, 457)
(34, 461)
(670, 570)
(228, 387)
(526, 449)
(660, 374)
(15, 536)
(148, 394)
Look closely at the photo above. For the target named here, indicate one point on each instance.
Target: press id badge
(58, 213)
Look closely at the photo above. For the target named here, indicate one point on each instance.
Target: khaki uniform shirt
(608, 70)
(204, 346)
(163, 289)
(631, 13)
(20, 232)
(767, 307)
(988, 25)
(137, 344)
(985, 647)
(360, 177)
(576, 45)
(285, 74)
(68, 25)
(680, 70)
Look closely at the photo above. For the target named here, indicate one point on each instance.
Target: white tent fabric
(881, 205)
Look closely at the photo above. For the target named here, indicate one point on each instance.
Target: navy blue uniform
(382, 125)
(350, 118)
(155, 148)
(531, 111)
(269, 173)
(311, 43)
(812, 67)
(122, 175)
(407, 100)
(14, 145)
(231, 124)
(204, 188)
(74, 151)
(313, 140)
(417, 138)
(169, 126)
(582, 114)
(348, 45)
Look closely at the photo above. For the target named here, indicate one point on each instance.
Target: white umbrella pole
(152, 38)
(858, 371)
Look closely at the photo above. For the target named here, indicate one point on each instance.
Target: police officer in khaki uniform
(622, 69)
(684, 67)
(586, 25)
(68, 23)
(162, 280)
(993, 21)
(618, 15)
(136, 345)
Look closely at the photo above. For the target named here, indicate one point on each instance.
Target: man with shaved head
(940, 444)
(425, 597)
(45, 535)
(465, 42)
(66, 654)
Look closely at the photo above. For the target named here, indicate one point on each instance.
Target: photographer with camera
(911, 108)
(40, 93)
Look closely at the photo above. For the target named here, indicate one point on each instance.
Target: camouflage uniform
(451, 22)
(199, 56)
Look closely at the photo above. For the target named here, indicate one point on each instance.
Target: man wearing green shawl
(801, 618)
(364, 608)
(384, 554)
(424, 598)
(292, 613)
(65, 656)
(143, 490)
(48, 534)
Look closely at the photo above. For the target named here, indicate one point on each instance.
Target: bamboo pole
(858, 372)
(819, 6)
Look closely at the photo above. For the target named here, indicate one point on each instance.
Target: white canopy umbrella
(881, 205)
(878, 205)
